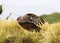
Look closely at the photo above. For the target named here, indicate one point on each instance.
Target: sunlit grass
(12, 32)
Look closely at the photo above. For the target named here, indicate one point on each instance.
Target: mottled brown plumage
(29, 22)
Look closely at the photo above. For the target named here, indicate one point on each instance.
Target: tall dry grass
(12, 32)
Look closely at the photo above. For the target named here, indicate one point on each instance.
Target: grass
(52, 18)
(12, 32)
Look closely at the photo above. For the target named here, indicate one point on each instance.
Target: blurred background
(21, 7)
